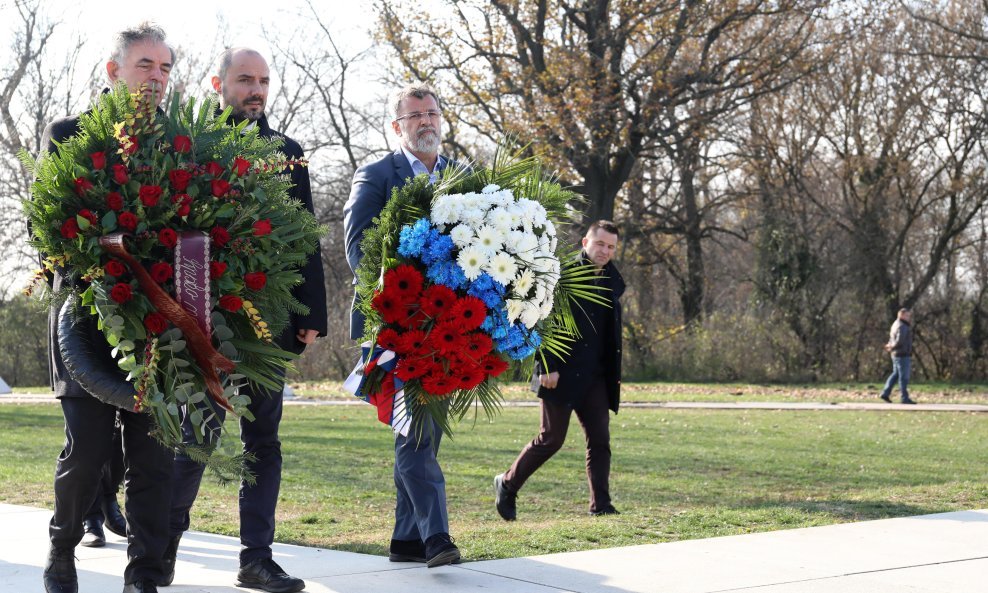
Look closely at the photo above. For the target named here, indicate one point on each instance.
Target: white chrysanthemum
(514, 307)
(540, 265)
(545, 309)
(462, 235)
(530, 315)
(442, 211)
(502, 268)
(523, 283)
(489, 239)
(541, 290)
(526, 245)
(516, 215)
(500, 219)
(489, 189)
(472, 261)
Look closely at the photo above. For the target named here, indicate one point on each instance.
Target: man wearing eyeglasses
(421, 532)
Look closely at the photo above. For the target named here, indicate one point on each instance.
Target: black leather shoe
(145, 586)
(113, 519)
(885, 398)
(440, 550)
(403, 550)
(906, 400)
(59, 574)
(93, 536)
(266, 575)
(505, 501)
(608, 510)
(168, 561)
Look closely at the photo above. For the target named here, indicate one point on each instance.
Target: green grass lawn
(677, 474)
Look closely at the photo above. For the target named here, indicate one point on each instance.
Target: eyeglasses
(421, 115)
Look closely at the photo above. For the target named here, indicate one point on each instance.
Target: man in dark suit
(242, 81)
(587, 382)
(141, 58)
(421, 532)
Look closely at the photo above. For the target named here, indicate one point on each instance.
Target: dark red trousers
(594, 416)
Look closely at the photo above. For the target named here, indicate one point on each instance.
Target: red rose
(167, 237)
(220, 187)
(240, 166)
(182, 144)
(70, 229)
(180, 179)
(88, 215)
(130, 145)
(114, 268)
(121, 292)
(82, 185)
(219, 236)
(216, 269)
(184, 204)
(161, 272)
(231, 302)
(262, 227)
(127, 220)
(150, 194)
(255, 280)
(99, 160)
(215, 169)
(114, 201)
(120, 174)
(155, 323)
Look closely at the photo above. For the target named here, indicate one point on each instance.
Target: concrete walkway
(944, 553)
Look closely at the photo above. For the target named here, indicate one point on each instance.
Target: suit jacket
(573, 380)
(371, 189)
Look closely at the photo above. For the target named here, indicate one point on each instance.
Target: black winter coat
(573, 382)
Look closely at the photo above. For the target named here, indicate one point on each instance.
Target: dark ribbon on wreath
(197, 341)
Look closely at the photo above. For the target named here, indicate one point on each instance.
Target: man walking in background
(900, 346)
(587, 381)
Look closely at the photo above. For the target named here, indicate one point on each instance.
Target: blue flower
(439, 248)
(413, 238)
(447, 273)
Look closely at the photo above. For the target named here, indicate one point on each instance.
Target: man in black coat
(242, 81)
(587, 382)
(141, 58)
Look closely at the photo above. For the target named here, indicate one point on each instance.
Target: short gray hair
(145, 31)
(419, 90)
(226, 59)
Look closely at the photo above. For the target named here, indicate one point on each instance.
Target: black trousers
(257, 502)
(89, 442)
(594, 416)
(112, 478)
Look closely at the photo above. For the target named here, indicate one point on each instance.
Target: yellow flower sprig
(260, 326)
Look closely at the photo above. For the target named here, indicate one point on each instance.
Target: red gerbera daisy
(412, 368)
(467, 313)
(389, 306)
(406, 280)
(439, 384)
(494, 365)
(470, 376)
(436, 299)
(414, 317)
(411, 341)
(446, 338)
(389, 339)
(479, 345)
